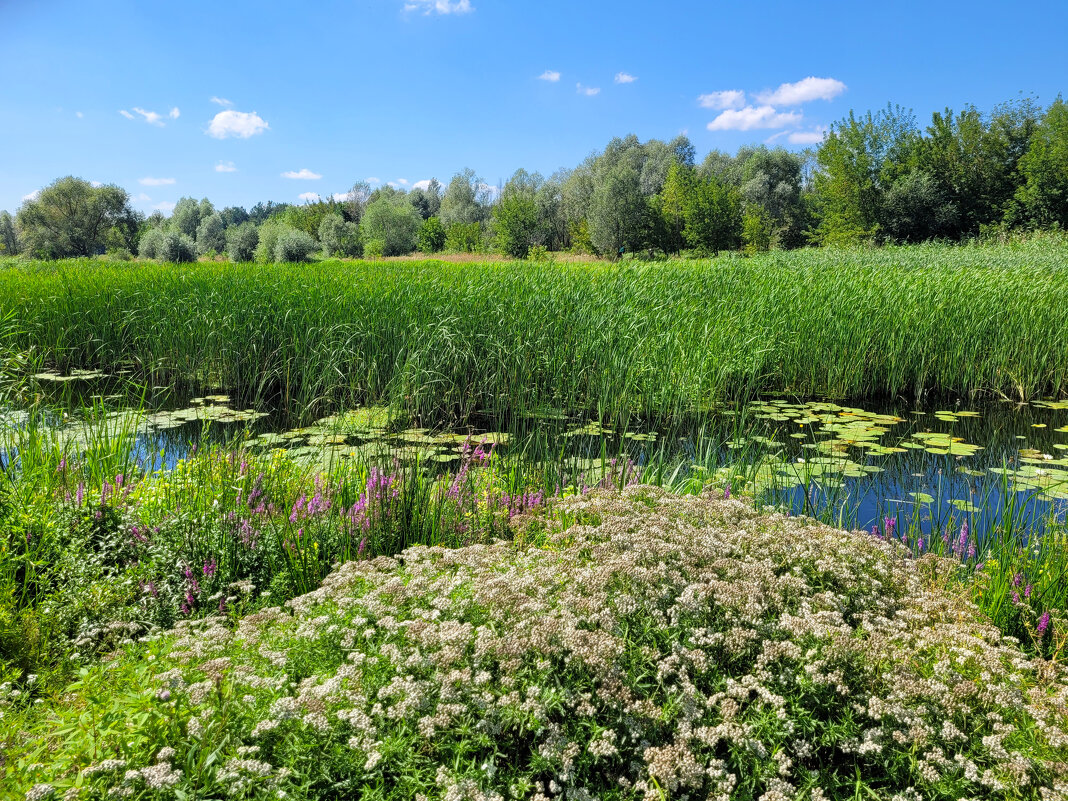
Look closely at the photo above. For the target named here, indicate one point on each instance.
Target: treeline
(877, 178)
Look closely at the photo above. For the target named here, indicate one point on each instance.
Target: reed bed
(444, 342)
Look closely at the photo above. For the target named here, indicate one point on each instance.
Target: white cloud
(793, 94)
(150, 181)
(341, 197)
(165, 206)
(750, 117)
(141, 198)
(552, 76)
(126, 114)
(424, 184)
(96, 184)
(302, 175)
(394, 184)
(225, 166)
(78, 114)
(402, 181)
(373, 180)
(174, 113)
(222, 101)
(236, 124)
(589, 91)
(807, 137)
(623, 77)
(33, 195)
(728, 98)
(308, 197)
(439, 6)
(151, 117)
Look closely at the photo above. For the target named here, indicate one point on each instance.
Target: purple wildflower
(210, 566)
(1043, 623)
(727, 493)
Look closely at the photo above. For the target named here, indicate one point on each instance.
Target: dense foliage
(875, 178)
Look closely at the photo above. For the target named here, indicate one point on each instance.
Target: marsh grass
(443, 342)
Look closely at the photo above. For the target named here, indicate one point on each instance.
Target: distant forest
(875, 178)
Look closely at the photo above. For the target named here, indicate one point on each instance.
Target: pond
(933, 466)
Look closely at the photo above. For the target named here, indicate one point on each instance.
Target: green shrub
(176, 248)
(151, 241)
(464, 237)
(294, 245)
(432, 236)
(269, 233)
(241, 241)
(393, 221)
(340, 238)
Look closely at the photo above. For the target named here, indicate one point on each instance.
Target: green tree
(126, 232)
(975, 158)
(294, 245)
(674, 199)
(464, 237)
(392, 221)
(186, 216)
(432, 235)
(71, 217)
(241, 241)
(233, 215)
(916, 208)
(339, 237)
(771, 179)
(151, 243)
(211, 235)
(176, 247)
(713, 217)
(1042, 199)
(463, 199)
(515, 216)
(757, 229)
(9, 241)
(850, 181)
(427, 201)
(616, 210)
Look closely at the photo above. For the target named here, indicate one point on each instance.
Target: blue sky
(242, 102)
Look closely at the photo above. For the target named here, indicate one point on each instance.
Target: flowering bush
(667, 647)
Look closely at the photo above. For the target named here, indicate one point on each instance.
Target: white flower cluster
(667, 647)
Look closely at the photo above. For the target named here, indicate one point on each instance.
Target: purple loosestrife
(889, 523)
(1043, 624)
(962, 541)
(248, 536)
(298, 507)
(727, 493)
(210, 567)
(80, 495)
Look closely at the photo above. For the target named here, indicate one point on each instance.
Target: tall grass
(443, 342)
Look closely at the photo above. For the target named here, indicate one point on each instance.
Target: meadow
(442, 612)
